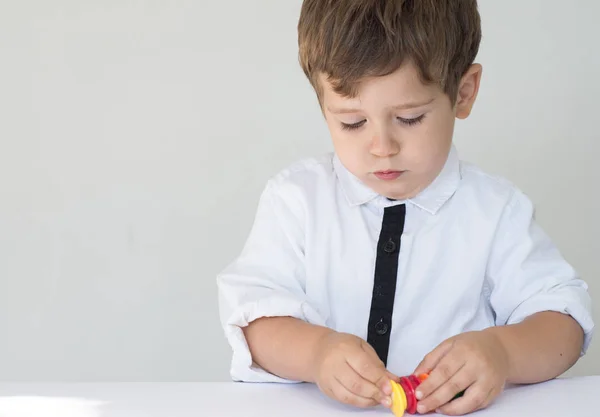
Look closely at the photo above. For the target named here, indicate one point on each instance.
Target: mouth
(388, 175)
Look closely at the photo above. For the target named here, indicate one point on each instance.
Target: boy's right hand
(348, 369)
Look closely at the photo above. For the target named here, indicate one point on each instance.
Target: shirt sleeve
(267, 279)
(527, 273)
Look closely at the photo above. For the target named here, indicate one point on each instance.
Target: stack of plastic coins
(404, 398)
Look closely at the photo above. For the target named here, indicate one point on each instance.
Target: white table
(576, 397)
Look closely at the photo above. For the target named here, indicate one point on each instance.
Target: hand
(475, 361)
(348, 370)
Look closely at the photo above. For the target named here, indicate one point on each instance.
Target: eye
(353, 126)
(411, 122)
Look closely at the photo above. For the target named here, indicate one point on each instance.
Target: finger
(474, 399)
(434, 357)
(369, 367)
(442, 372)
(391, 376)
(370, 352)
(366, 367)
(490, 398)
(360, 386)
(460, 381)
(344, 395)
(383, 382)
(336, 391)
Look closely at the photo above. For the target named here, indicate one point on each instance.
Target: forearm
(540, 348)
(285, 346)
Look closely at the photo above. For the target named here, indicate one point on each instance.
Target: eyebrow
(404, 106)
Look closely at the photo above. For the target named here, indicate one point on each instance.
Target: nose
(384, 145)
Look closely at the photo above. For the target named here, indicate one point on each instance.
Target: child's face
(395, 136)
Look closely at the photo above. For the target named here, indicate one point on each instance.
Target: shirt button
(381, 328)
(389, 246)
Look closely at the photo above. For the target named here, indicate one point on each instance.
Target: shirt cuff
(574, 302)
(243, 369)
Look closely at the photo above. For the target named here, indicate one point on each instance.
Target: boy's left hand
(475, 361)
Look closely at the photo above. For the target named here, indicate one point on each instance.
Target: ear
(467, 91)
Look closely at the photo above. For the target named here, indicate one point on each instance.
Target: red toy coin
(411, 400)
(414, 381)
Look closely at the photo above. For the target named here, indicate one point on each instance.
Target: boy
(392, 256)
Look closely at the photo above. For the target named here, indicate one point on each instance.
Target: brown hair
(348, 40)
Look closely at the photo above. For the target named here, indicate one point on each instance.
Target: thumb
(431, 360)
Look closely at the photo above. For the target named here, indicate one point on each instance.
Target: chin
(396, 193)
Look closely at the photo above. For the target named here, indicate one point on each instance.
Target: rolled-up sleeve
(527, 273)
(267, 279)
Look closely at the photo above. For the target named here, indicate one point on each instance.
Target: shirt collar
(430, 199)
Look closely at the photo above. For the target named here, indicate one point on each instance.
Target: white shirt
(471, 257)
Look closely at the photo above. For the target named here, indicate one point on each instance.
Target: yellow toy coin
(399, 402)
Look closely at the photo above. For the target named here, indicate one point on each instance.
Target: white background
(136, 136)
